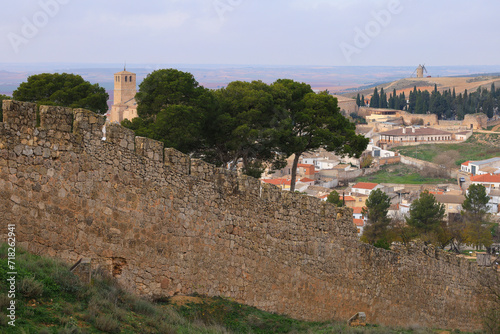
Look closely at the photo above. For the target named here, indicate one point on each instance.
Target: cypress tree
(374, 101)
(383, 99)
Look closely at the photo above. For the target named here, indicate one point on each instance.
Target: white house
(359, 219)
(487, 180)
(464, 167)
(494, 202)
(365, 188)
(379, 152)
(320, 163)
(476, 166)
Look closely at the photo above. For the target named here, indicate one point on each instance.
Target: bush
(107, 324)
(30, 288)
(143, 307)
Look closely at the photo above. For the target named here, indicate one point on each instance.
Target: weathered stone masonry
(165, 224)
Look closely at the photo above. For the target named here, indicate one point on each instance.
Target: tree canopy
(167, 87)
(251, 123)
(334, 198)
(67, 90)
(377, 207)
(308, 120)
(426, 216)
(476, 200)
(475, 210)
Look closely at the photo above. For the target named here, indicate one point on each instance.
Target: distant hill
(471, 83)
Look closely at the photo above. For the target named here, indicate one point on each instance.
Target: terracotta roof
(485, 178)
(357, 210)
(277, 182)
(436, 192)
(418, 132)
(306, 179)
(365, 185)
(347, 198)
(466, 163)
(305, 165)
(358, 222)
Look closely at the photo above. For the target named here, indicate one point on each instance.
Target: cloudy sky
(256, 32)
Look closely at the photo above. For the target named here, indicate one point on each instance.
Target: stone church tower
(124, 105)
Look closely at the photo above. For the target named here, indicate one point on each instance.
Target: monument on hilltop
(124, 104)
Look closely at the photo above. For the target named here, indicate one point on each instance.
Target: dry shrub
(447, 158)
(107, 323)
(30, 288)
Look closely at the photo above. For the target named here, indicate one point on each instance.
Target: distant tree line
(446, 104)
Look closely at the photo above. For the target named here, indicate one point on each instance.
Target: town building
(365, 188)
(478, 167)
(414, 135)
(124, 104)
(452, 203)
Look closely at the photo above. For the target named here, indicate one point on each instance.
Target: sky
(254, 32)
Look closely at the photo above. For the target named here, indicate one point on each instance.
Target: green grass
(51, 299)
(478, 147)
(402, 174)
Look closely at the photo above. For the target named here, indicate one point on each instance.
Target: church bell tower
(125, 87)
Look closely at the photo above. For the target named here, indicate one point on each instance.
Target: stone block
(56, 118)
(17, 114)
(149, 148)
(177, 160)
(87, 125)
(121, 136)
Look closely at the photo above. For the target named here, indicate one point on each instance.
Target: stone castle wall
(165, 224)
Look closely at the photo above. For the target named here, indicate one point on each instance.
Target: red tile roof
(359, 222)
(305, 165)
(357, 210)
(485, 178)
(348, 198)
(436, 192)
(365, 185)
(465, 163)
(277, 182)
(306, 179)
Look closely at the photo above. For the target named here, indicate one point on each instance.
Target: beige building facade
(124, 104)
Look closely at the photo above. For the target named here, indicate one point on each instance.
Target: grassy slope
(401, 174)
(50, 299)
(480, 146)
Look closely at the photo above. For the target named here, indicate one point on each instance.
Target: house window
(130, 78)
(125, 78)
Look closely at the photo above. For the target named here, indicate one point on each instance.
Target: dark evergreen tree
(374, 101)
(383, 99)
